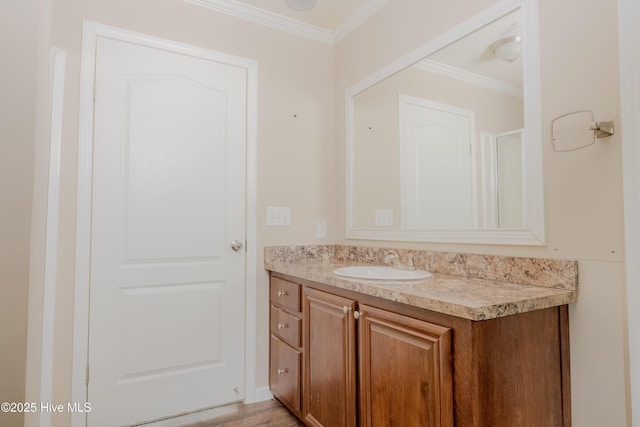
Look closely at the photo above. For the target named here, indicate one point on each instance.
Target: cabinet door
(330, 358)
(405, 371)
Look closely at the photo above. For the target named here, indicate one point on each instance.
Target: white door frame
(91, 31)
(629, 48)
(57, 66)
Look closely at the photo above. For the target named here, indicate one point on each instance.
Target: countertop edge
(322, 272)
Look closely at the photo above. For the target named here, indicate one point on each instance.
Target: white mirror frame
(533, 232)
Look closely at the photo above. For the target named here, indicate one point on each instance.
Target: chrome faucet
(394, 260)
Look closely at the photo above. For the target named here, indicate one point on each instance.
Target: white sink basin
(381, 273)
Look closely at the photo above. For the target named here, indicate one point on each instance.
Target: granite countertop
(466, 297)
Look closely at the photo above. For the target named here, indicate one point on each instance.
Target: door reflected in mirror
(440, 144)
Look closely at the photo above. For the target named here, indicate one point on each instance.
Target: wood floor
(267, 413)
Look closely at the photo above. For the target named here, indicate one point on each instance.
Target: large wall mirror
(445, 144)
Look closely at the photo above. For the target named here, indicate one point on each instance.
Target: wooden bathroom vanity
(350, 352)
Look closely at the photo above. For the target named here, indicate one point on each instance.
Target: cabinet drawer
(286, 326)
(285, 293)
(285, 374)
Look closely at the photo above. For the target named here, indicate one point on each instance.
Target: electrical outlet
(278, 216)
(384, 217)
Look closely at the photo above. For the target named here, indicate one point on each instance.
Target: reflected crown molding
(291, 25)
(468, 77)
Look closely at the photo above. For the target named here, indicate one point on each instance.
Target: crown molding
(269, 19)
(468, 77)
(290, 25)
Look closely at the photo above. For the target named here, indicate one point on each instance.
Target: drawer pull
(346, 309)
(282, 325)
(282, 371)
(283, 293)
(358, 314)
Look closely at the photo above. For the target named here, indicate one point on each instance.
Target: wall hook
(602, 129)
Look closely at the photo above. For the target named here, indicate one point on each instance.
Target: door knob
(236, 245)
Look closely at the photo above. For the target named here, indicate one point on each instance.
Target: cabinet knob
(282, 371)
(283, 293)
(282, 325)
(357, 314)
(346, 309)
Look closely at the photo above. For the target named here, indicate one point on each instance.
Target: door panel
(167, 291)
(168, 155)
(148, 328)
(436, 143)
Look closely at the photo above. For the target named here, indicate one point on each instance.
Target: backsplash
(284, 254)
(550, 273)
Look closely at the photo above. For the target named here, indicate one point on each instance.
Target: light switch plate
(278, 216)
(384, 217)
(321, 228)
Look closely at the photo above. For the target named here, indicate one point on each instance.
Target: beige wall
(583, 190)
(17, 126)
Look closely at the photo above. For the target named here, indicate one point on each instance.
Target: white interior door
(436, 165)
(167, 290)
